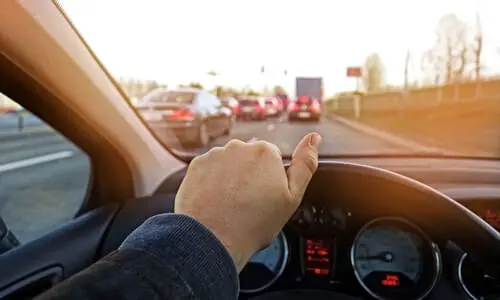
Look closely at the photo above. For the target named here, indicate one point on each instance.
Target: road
(43, 178)
(11, 121)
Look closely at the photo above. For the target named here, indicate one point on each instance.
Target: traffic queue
(195, 117)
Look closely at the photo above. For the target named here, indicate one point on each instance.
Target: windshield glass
(372, 77)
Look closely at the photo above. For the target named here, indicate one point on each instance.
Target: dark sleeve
(169, 256)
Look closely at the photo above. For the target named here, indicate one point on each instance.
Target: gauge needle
(384, 256)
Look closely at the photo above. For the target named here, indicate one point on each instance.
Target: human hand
(246, 203)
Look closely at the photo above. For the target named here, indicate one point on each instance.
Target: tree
(279, 90)
(407, 66)
(373, 73)
(151, 85)
(219, 91)
(477, 48)
(252, 93)
(431, 65)
(212, 73)
(195, 85)
(449, 53)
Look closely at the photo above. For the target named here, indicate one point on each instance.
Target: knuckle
(261, 147)
(216, 150)
(234, 143)
(196, 162)
(266, 148)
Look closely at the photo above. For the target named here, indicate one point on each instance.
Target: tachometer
(475, 282)
(393, 259)
(265, 267)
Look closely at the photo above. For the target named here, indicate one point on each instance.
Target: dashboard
(379, 248)
(370, 256)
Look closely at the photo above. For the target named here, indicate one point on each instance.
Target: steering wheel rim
(473, 234)
(482, 241)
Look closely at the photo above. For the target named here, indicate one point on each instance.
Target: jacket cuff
(192, 250)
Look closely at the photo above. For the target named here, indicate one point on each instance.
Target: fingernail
(315, 140)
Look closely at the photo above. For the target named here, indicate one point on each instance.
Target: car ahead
(273, 107)
(192, 116)
(304, 108)
(232, 104)
(284, 99)
(252, 108)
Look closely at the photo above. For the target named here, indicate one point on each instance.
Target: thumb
(304, 164)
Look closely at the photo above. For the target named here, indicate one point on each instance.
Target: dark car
(193, 116)
(252, 108)
(304, 108)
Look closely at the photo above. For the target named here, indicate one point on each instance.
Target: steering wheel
(371, 186)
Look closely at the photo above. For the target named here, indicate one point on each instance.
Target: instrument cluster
(316, 218)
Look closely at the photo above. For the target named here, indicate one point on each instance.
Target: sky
(179, 41)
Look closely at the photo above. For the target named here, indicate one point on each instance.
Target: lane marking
(270, 127)
(252, 140)
(34, 161)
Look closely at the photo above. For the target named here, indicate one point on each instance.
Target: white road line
(270, 127)
(34, 161)
(252, 140)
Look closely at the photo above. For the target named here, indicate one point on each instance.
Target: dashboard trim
(460, 278)
(435, 249)
(284, 262)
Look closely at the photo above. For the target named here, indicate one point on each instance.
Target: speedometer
(393, 259)
(265, 267)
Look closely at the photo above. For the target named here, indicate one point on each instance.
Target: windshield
(372, 77)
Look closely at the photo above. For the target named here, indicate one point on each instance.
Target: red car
(253, 108)
(274, 107)
(304, 108)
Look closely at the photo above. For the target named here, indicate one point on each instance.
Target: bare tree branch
(373, 73)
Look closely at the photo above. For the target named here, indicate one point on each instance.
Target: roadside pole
(20, 121)
(358, 100)
(356, 73)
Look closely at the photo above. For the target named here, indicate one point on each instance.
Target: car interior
(440, 214)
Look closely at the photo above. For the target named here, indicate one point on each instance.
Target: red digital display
(390, 280)
(317, 257)
(492, 217)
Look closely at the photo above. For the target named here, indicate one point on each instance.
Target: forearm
(168, 257)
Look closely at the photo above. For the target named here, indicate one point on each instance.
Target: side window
(43, 176)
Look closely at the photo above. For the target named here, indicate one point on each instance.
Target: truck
(309, 99)
(309, 87)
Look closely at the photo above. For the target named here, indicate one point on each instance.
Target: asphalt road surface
(13, 120)
(43, 178)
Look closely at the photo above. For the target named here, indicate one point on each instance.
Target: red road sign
(353, 72)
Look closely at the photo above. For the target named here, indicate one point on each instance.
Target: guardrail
(485, 94)
(461, 118)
